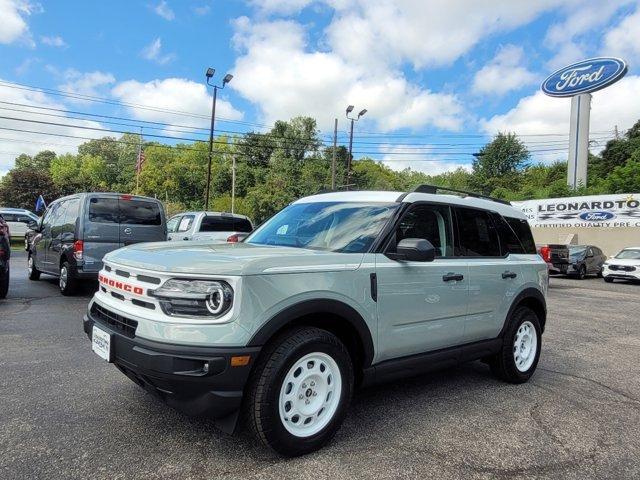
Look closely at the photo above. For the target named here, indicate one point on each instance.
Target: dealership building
(611, 222)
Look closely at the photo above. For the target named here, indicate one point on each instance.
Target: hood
(623, 261)
(230, 258)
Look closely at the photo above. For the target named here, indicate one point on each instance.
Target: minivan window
(521, 227)
(429, 222)
(71, 215)
(477, 234)
(212, 223)
(139, 212)
(103, 210)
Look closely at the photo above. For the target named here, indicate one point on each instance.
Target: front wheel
(608, 279)
(582, 272)
(300, 391)
(520, 352)
(34, 273)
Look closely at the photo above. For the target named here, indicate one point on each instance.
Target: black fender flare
(528, 294)
(309, 307)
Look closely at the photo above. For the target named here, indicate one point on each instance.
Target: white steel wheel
(525, 346)
(310, 394)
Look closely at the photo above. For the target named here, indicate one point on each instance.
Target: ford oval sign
(584, 77)
(597, 216)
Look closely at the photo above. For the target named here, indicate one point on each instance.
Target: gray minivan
(77, 231)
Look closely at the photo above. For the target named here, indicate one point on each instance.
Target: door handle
(509, 275)
(452, 277)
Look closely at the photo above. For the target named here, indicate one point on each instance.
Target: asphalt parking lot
(66, 414)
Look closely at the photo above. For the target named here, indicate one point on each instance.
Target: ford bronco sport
(337, 290)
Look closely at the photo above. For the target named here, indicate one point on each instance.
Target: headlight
(194, 298)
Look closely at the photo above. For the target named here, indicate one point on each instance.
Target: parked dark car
(5, 255)
(77, 231)
(574, 260)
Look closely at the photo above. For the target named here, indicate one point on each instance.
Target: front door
(422, 306)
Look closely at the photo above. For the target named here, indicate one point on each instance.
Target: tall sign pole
(578, 81)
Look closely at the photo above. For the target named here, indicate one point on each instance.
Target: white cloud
(89, 83)
(54, 41)
(31, 143)
(539, 114)
(13, 26)
(202, 10)
(396, 158)
(276, 72)
(176, 94)
(153, 52)
(281, 6)
(624, 39)
(504, 73)
(163, 10)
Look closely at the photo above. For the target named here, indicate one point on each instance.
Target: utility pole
(139, 163)
(333, 162)
(360, 114)
(233, 182)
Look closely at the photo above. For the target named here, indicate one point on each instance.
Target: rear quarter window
(521, 228)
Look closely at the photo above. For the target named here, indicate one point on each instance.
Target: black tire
(33, 272)
(503, 364)
(608, 279)
(67, 282)
(26, 243)
(262, 403)
(4, 282)
(582, 272)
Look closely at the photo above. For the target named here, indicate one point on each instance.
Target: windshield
(576, 251)
(332, 226)
(629, 254)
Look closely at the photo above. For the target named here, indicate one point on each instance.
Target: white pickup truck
(219, 227)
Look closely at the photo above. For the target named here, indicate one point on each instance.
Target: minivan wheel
(300, 391)
(520, 352)
(34, 273)
(67, 282)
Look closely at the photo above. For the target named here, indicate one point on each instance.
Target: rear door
(101, 231)
(141, 220)
(494, 275)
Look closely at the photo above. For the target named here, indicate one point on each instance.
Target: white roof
(213, 214)
(389, 197)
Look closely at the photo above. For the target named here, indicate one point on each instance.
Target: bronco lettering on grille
(125, 287)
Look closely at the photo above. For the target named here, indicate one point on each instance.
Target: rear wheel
(520, 352)
(34, 273)
(67, 281)
(4, 282)
(300, 391)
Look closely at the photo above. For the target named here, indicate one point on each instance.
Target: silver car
(218, 227)
(336, 291)
(19, 220)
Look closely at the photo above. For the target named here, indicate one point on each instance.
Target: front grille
(120, 323)
(622, 268)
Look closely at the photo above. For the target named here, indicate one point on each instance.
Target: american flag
(140, 161)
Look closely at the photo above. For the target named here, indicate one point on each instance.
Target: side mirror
(414, 250)
(33, 225)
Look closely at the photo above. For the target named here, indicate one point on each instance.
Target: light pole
(227, 78)
(362, 112)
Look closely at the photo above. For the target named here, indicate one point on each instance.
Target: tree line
(290, 161)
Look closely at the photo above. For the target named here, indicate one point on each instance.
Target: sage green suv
(336, 291)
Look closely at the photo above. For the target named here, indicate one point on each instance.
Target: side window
(185, 223)
(103, 210)
(477, 233)
(71, 215)
(9, 217)
(430, 222)
(173, 223)
(509, 241)
(57, 219)
(521, 227)
(48, 215)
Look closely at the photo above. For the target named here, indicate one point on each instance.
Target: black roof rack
(433, 189)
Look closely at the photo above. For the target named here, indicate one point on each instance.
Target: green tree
(500, 163)
(625, 178)
(21, 187)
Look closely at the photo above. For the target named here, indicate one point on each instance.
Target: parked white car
(624, 266)
(18, 220)
(219, 227)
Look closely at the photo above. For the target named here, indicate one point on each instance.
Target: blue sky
(438, 78)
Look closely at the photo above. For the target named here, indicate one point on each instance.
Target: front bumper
(177, 373)
(620, 274)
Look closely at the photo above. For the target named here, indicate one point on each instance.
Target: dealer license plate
(101, 343)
